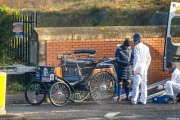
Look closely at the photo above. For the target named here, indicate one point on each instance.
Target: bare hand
(128, 59)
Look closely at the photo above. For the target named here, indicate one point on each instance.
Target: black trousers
(126, 82)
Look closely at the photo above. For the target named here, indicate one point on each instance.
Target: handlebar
(64, 55)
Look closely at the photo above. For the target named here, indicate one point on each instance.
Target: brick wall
(106, 48)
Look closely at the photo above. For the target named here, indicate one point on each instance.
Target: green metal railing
(20, 44)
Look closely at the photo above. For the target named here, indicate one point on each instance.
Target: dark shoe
(178, 100)
(143, 103)
(128, 99)
(133, 103)
(172, 100)
(119, 99)
(178, 96)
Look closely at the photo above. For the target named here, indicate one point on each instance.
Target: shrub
(6, 33)
(15, 86)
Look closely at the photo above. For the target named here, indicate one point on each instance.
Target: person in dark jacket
(124, 67)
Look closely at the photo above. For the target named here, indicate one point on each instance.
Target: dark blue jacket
(123, 68)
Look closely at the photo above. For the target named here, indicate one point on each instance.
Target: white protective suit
(173, 86)
(142, 59)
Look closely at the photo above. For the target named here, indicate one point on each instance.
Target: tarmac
(20, 99)
(16, 98)
(13, 99)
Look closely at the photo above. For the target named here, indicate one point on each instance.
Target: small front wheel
(102, 87)
(35, 93)
(59, 94)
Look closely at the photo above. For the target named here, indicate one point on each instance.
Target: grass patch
(82, 13)
(95, 17)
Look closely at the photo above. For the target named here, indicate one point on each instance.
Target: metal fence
(22, 27)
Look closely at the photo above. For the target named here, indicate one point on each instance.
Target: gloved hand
(160, 87)
(114, 62)
(128, 64)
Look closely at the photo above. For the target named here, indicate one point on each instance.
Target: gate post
(2, 92)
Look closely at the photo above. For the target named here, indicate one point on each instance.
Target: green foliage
(6, 32)
(15, 86)
(18, 82)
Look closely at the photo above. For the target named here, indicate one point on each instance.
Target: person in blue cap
(123, 67)
(141, 62)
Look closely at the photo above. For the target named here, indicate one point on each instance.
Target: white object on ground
(160, 87)
(115, 98)
(111, 114)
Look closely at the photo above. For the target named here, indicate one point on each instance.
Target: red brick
(107, 48)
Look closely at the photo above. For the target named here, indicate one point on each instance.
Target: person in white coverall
(141, 62)
(172, 87)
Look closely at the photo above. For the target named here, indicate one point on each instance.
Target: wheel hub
(59, 93)
(102, 87)
(35, 92)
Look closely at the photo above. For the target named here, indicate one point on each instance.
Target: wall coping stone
(95, 33)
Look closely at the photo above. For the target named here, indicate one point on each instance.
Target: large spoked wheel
(59, 94)
(79, 96)
(102, 87)
(35, 93)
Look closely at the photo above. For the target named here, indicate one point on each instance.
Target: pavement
(20, 99)
(16, 110)
(15, 99)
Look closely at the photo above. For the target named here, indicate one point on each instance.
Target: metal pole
(23, 45)
(35, 20)
(26, 42)
(28, 36)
